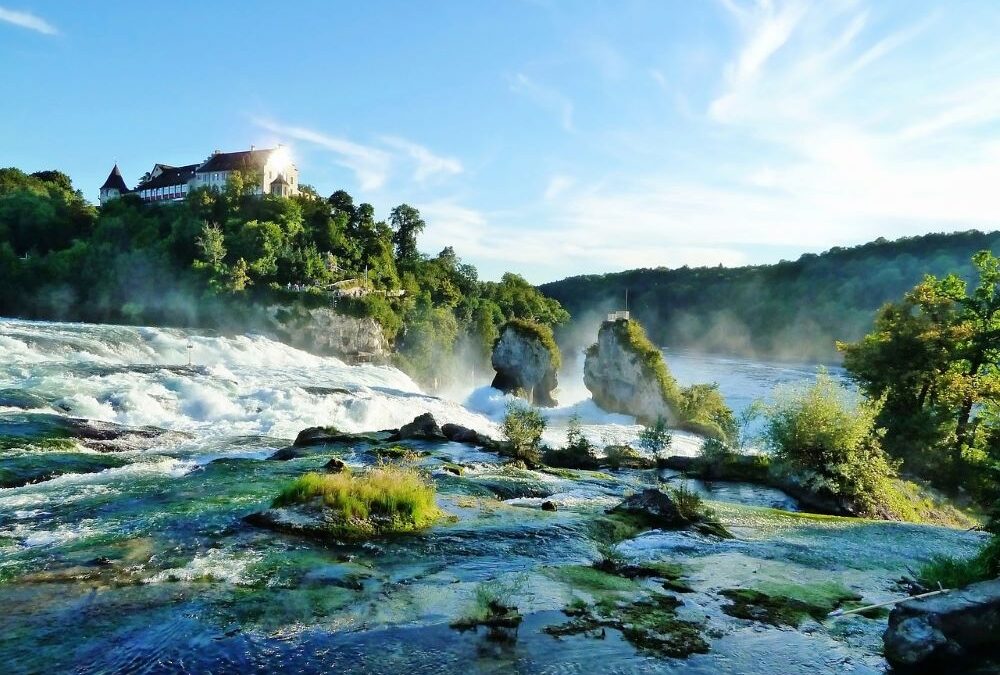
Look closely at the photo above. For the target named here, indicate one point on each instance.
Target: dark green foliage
(793, 310)
(934, 359)
(786, 605)
(649, 624)
(221, 258)
(579, 452)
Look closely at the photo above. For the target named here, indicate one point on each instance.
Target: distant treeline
(789, 310)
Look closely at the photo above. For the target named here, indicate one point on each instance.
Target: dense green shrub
(823, 434)
(951, 572)
(522, 428)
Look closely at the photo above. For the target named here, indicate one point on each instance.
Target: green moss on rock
(536, 331)
(649, 624)
(786, 604)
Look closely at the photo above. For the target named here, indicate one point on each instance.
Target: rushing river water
(123, 549)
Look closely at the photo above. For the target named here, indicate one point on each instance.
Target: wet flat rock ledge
(932, 634)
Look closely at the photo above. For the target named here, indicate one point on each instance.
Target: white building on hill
(273, 168)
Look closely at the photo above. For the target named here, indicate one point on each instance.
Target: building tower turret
(114, 187)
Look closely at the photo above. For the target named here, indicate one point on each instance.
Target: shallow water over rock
(147, 565)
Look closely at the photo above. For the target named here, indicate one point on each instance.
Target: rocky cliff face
(525, 366)
(322, 330)
(623, 379)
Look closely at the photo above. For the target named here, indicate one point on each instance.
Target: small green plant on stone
(522, 427)
(493, 606)
(575, 440)
(618, 456)
(713, 450)
(611, 559)
(656, 438)
(688, 502)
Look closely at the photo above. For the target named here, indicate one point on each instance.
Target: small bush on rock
(822, 433)
(656, 438)
(523, 427)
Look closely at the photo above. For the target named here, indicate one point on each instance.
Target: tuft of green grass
(493, 607)
(385, 498)
(951, 572)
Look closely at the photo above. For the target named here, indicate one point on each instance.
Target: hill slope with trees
(220, 259)
(790, 310)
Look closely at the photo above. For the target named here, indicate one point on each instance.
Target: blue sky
(546, 138)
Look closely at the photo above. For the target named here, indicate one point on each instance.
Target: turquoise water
(128, 552)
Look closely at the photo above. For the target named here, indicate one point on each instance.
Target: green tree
(523, 427)
(406, 225)
(212, 244)
(239, 278)
(655, 438)
(821, 434)
(933, 358)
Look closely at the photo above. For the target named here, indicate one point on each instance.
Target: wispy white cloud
(557, 185)
(27, 20)
(546, 97)
(370, 165)
(428, 164)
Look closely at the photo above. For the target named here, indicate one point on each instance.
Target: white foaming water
(240, 386)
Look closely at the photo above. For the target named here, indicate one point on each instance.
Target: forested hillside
(218, 259)
(790, 310)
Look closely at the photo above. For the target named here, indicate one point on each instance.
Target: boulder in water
(326, 435)
(456, 433)
(935, 632)
(526, 359)
(423, 427)
(287, 453)
(654, 506)
(656, 509)
(335, 466)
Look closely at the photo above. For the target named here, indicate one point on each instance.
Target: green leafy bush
(523, 427)
(714, 450)
(655, 438)
(826, 436)
(577, 454)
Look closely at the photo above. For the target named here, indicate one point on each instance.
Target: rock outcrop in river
(322, 330)
(936, 631)
(625, 373)
(526, 359)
